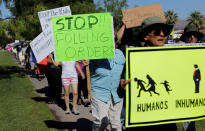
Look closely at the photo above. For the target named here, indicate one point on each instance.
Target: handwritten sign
(46, 22)
(45, 16)
(167, 85)
(40, 46)
(133, 17)
(87, 36)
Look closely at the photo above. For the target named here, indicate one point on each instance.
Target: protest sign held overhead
(40, 46)
(46, 22)
(167, 85)
(45, 16)
(133, 17)
(86, 36)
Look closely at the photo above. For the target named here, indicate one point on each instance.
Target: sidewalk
(64, 122)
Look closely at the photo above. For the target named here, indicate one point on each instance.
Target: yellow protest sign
(168, 85)
(86, 36)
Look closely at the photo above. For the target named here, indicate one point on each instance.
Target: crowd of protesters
(59, 76)
(107, 75)
(23, 53)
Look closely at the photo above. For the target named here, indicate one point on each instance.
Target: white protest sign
(40, 46)
(46, 23)
(45, 16)
(16, 41)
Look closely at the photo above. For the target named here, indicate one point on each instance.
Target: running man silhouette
(152, 87)
(166, 85)
(140, 84)
(197, 78)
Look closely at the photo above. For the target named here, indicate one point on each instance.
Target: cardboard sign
(41, 46)
(87, 36)
(46, 23)
(133, 17)
(168, 85)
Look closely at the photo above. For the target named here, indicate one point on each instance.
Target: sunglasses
(157, 31)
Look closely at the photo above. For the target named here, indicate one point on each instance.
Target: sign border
(141, 49)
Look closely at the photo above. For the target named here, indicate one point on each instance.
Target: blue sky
(182, 7)
(5, 12)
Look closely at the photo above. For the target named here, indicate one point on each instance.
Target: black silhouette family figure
(151, 86)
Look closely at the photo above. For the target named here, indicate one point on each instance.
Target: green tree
(197, 19)
(83, 7)
(25, 24)
(171, 17)
(115, 7)
(4, 37)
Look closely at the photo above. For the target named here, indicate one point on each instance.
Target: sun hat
(151, 23)
(191, 30)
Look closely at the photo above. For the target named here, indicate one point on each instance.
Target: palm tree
(171, 17)
(197, 19)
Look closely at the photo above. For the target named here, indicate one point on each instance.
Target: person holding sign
(153, 32)
(105, 104)
(70, 79)
(191, 35)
